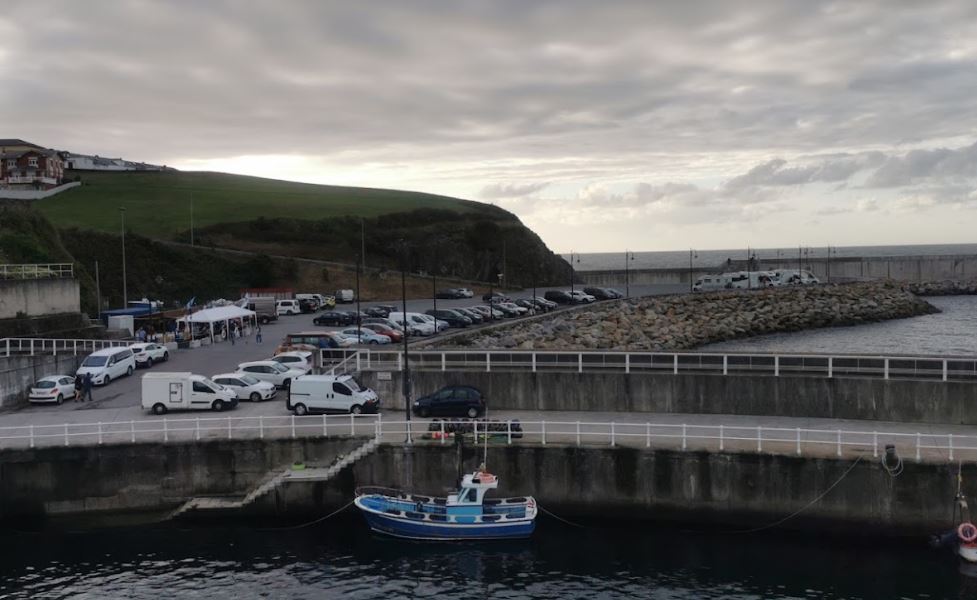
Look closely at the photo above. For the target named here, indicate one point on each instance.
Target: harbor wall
(35, 297)
(898, 400)
(839, 269)
(738, 491)
(17, 373)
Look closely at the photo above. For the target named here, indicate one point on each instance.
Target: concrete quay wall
(17, 373)
(899, 400)
(35, 297)
(736, 490)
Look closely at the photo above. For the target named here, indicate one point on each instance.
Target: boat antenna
(485, 441)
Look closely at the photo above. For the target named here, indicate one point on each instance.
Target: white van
(162, 392)
(794, 277)
(345, 296)
(330, 393)
(288, 307)
(108, 364)
(416, 321)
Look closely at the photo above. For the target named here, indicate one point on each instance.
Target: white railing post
(488, 362)
(725, 365)
(442, 432)
(196, 429)
(358, 368)
(32, 436)
(543, 429)
(229, 434)
(32, 346)
(885, 368)
(675, 364)
(410, 438)
(100, 436)
(508, 430)
(918, 444)
(722, 442)
(325, 426)
(534, 362)
(831, 366)
(759, 438)
(293, 426)
(951, 447)
(65, 434)
(684, 436)
(352, 425)
(875, 444)
(261, 427)
(444, 366)
(132, 430)
(839, 442)
(166, 432)
(578, 433)
(798, 441)
(400, 361)
(612, 434)
(627, 364)
(580, 362)
(945, 370)
(647, 435)
(379, 425)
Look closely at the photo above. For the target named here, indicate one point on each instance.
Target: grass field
(158, 203)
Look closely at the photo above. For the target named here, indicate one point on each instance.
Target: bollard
(759, 439)
(197, 428)
(839, 442)
(229, 435)
(684, 444)
(325, 427)
(352, 425)
(875, 444)
(132, 430)
(578, 433)
(166, 433)
(100, 436)
(722, 442)
(442, 432)
(798, 441)
(32, 427)
(543, 429)
(261, 427)
(410, 439)
(918, 443)
(508, 427)
(65, 427)
(612, 434)
(951, 447)
(293, 426)
(647, 435)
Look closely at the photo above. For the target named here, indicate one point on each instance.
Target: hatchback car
(451, 401)
(54, 388)
(558, 296)
(394, 334)
(271, 371)
(296, 359)
(333, 318)
(147, 354)
(495, 297)
(365, 335)
(246, 386)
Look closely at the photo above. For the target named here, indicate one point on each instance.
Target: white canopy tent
(220, 314)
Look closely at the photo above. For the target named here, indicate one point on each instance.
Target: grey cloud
(511, 190)
(923, 164)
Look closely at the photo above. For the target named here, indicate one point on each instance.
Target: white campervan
(330, 393)
(108, 364)
(711, 283)
(794, 277)
(162, 392)
(750, 280)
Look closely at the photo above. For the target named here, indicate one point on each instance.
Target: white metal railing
(37, 271)
(883, 367)
(38, 346)
(679, 436)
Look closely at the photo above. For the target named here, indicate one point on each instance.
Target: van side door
(341, 397)
(201, 395)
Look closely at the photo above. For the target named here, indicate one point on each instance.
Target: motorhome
(794, 277)
(750, 280)
(163, 392)
(711, 283)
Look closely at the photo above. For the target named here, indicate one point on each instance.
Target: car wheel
(374, 342)
(60, 400)
(166, 356)
(424, 413)
(264, 320)
(472, 413)
(149, 363)
(287, 383)
(159, 409)
(128, 371)
(106, 380)
(255, 397)
(300, 410)
(218, 405)
(356, 409)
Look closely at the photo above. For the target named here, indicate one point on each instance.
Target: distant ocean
(600, 261)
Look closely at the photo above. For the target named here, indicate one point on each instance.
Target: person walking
(257, 336)
(233, 332)
(88, 385)
(78, 385)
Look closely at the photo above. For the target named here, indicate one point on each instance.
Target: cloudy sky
(603, 125)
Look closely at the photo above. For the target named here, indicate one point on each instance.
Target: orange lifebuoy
(484, 477)
(967, 532)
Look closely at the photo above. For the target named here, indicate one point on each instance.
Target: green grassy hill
(158, 203)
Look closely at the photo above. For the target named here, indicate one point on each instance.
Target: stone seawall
(681, 322)
(950, 287)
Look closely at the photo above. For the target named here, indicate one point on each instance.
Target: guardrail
(880, 367)
(39, 346)
(37, 271)
(918, 446)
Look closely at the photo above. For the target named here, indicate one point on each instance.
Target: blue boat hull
(416, 530)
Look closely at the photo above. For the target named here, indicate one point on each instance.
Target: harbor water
(339, 558)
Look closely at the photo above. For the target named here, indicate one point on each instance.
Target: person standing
(233, 332)
(79, 382)
(88, 384)
(257, 336)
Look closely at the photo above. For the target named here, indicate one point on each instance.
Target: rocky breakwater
(683, 322)
(949, 287)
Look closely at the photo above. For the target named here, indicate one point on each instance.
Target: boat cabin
(470, 495)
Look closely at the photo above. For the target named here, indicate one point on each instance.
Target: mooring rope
(310, 523)
(559, 518)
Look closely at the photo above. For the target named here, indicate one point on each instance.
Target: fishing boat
(464, 515)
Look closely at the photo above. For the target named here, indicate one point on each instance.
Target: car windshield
(351, 384)
(44, 384)
(248, 379)
(95, 361)
(210, 384)
(279, 367)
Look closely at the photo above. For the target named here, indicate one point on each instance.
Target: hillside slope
(158, 203)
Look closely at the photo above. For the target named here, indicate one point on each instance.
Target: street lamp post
(628, 257)
(571, 275)
(403, 297)
(359, 314)
(827, 264)
(692, 254)
(749, 269)
(125, 290)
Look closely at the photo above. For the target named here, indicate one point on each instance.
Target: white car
(287, 307)
(439, 324)
(246, 386)
(271, 371)
(513, 306)
(149, 353)
(417, 324)
(367, 336)
(53, 388)
(465, 293)
(296, 359)
(579, 297)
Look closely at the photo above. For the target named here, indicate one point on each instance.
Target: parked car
(449, 294)
(519, 310)
(466, 293)
(495, 297)
(345, 296)
(548, 304)
(451, 401)
(579, 297)
(147, 354)
(385, 321)
(558, 296)
(330, 393)
(474, 315)
(613, 293)
(108, 364)
(295, 359)
(529, 305)
(395, 335)
(53, 388)
(599, 293)
(271, 371)
(335, 318)
(379, 310)
(451, 317)
(506, 311)
(288, 307)
(318, 300)
(417, 324)
(163, 392)
(365, 335)
(490, 313)
(342, 340)
(308, 305)
(353, 315)
(439, 324)
(246, 386)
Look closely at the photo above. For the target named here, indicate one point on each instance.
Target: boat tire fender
(967, 532)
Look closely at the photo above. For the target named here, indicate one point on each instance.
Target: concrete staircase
(220, 503)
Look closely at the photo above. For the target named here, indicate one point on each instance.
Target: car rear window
(44, 384)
